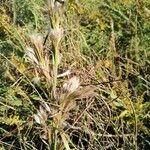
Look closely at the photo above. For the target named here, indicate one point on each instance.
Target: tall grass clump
(74, 75)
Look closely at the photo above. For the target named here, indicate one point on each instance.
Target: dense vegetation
(75, 75)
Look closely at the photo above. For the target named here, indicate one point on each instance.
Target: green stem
(54, 139)
(14, 11)
(55, 69)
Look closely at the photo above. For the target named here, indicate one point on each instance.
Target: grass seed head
(56, 35)
(37, 40)
(31, 55)
(41, 116)
(72, 85)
